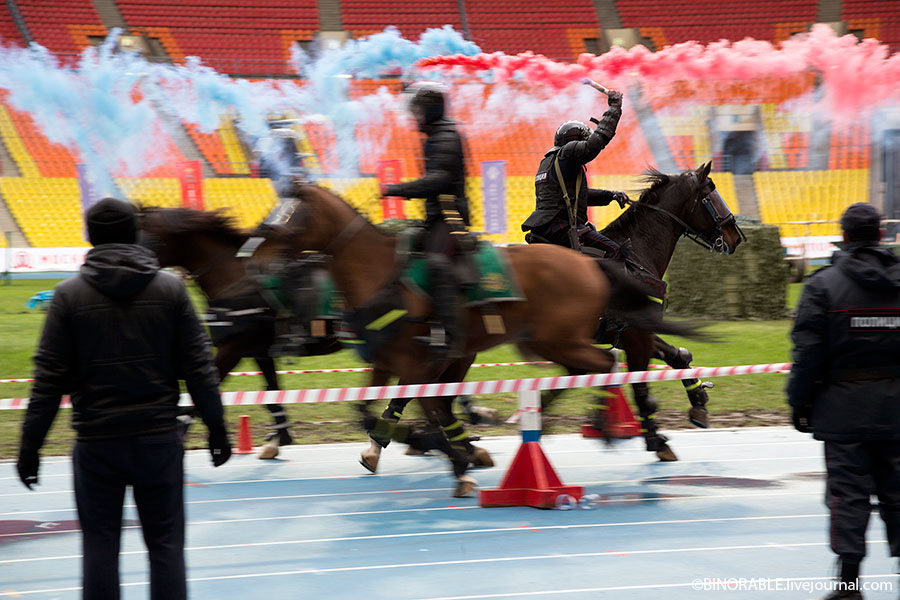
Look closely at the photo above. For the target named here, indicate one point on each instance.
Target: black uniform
(118, 337)
(845, 382)
(550, 219)
(444, 176)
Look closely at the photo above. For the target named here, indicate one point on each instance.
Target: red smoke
(853, 73)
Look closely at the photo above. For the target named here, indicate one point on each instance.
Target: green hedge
(749, 284)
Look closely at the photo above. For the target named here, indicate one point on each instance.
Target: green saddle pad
(496, 282)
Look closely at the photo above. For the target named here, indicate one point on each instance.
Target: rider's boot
(450, 342)
(623, 252)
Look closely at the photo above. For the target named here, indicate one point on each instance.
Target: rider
(444, 177)
(561, 187)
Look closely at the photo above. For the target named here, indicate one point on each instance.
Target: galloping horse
(205, 244)
(564, 296)
(673, 206)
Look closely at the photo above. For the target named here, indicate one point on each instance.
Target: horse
(205, 244)
(673, 206)
(564, 294)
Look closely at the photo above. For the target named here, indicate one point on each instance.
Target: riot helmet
(571, 131)
(427, 101)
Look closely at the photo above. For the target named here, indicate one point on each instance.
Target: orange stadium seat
(878, 19)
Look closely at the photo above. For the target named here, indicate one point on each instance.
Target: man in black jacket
(844, 385)
(445, 176)
(561, 187)
(118, 337)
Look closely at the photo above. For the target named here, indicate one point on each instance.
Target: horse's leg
(639, 346)
(680, 358)
(380, 429)
(280, 425)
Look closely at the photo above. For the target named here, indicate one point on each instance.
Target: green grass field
(744, 400)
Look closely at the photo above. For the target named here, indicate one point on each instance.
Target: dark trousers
(154, 466)
(557, 232)
(856, 470)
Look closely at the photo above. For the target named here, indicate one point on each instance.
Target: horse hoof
(699, 417)
(369, 460)
(666, 454)
(410, 451)
(482, 415)
(465, 486)
(269, 451)
(481, 458)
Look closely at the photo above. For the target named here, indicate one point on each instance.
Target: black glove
(801, 418)
(622, 198)
(219, 446)
(615, 98)
(28, 464)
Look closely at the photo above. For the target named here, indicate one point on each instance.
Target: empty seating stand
(555, 29)
(879, 19)
(62, 26)
(669, 22)
(232, 36)
(410, 17)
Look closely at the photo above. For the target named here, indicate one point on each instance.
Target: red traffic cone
(245, 440)
(620, 421)
(530, 481)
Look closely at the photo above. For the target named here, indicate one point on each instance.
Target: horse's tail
(633, 302)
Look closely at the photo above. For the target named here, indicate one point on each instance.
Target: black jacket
(444, 172)
(118, 337)
(550, 209)
(846, 337)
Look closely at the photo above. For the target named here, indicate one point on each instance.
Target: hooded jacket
(846, 336)
(118, 337)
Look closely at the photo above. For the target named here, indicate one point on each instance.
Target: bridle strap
(344, 237)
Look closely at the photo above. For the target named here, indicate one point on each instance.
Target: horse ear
(704, 169)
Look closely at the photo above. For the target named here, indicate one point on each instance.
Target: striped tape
(428, 390)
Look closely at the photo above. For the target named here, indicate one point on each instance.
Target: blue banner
(89, 193)
(493, 193)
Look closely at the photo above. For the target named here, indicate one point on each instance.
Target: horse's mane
(628, 221)
(215, 223)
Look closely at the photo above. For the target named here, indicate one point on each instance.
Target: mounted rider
(561, 187)
(446, 207)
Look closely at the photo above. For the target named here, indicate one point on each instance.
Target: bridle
(712, 201)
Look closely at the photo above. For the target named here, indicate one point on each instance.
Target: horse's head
(188, 238)
(692, 199)
(321, 221)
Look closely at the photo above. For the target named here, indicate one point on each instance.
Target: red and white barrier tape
(468, 387)
(359, 370)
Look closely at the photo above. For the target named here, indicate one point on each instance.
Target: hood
(119, 270)
(872, 267)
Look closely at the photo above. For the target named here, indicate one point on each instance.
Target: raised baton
(595, 85)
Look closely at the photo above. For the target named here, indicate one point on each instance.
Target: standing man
(844, 385)
(118, 337)
(444, 176)
(561, 187)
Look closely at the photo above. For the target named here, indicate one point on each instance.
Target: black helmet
(429, 97)
(571, 131)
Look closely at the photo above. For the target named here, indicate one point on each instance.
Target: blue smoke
(91, 108)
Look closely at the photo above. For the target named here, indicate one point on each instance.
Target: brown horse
(205, 244)
(565, 296)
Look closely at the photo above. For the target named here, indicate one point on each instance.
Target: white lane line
(616, 500)
(517, 529)
(474, 561)
(501, 451)
(446, 472)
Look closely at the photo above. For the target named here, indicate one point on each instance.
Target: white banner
(35, 260)
(821, 246)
